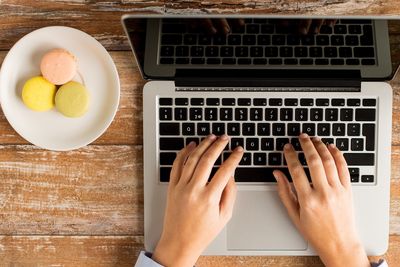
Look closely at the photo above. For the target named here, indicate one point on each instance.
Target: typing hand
(196, 210)
(322, 212)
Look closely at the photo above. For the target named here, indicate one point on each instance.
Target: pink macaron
(58, 66)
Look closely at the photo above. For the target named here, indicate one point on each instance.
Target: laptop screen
(164, 46)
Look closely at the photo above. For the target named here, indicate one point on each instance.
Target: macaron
(72, 99)
(38, 94)
(58, 66)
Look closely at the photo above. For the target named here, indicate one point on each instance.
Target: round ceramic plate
(50, 129)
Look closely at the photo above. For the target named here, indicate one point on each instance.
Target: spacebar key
(257, 174)
(360, 159)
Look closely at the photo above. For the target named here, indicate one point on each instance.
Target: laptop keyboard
(263, 126)
(265, 42)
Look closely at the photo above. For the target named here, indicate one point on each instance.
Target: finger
(287, 196)
(341, 165)
(225, 172)
(208, 26)
(222, 25)
(304, 26)
(316, 25)
(179, 162)
(194, 157)
(228, 200)
(328, 162)
(314, 162)
(207, 161)
(296, 170)
(330, 22)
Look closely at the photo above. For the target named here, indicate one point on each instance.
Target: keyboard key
(346, 114)
(267, 144)
(248, 129)
(197, 51)
(197, 101)
(342, 144)
(316, 114)
(274, 159)
(352, 102)
(338, 102)
(352, 40)
(192, 139)
(171, 143)
(219, 39)
(252, 144)
(301, 114)
(321, 61)
(306, 61)
(353, 61)
(256, 114)
(198, 61)
(190, 39)
(354, 29)
(271, 114)
(360, 159)
(182, 61)
(167, 51)
(229, 61)
(275, 61)
(330, 51)
(211, 114)
(337, 61)
(165, 60)
(316, 51)
(293, 129)
(234, 39)
(246, 159)
(338, 129)
(203, 129)
(167, 158)
(169, 129)
(357, 144)
(345, 52)
(164, 174)
(241, 114)
(323, 129)
(263, 129)
(307, 40)
(165, 101)
(353, 129)
(286, 51)
(296, 144)
(301, 52)
(165, 114)
(306, 102)
(327, 141)
(278, 129)
(291, 102)
(249, 39)
(259, 61)
(259, 102)
(369, 102)
(204, 40)
(252, 28)
(363, 114)
(367, 178)
(271, 51)
(290, 61)
(256, 51)
(228, 101)
(188, 129)
(180, 114)
(309, 128)
(263, 39)
(226, 114)
(235, 142)
(369, 133)
(233, 129)
(364, 52)
(275, 101)
(259, 159)
(337, 40)
(280, 143)
(218, 128)
(293, 40)
(241, 51)
(213, 61)
(212, 51)
(286, 114)
(278, 39)
(326, 29)
(212, 101)
(244, 101)
(368, 61)
(302, 159)
(171, 39)
(196, 114)
(226, 51)
(340, 29)
(331, 114)
(182, 51)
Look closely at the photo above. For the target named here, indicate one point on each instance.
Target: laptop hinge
(268, 80)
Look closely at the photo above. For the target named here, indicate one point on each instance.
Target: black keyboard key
(167, 158)
(175, 143)
(345, 52)
(353, 129)
(278, 39)
(275, 61)
(219, 39)
(293, 40)
(197, 51)
(281, 142)
(259, 159)
(308, 39)
(235, 142)
(165, 101)
(169, 129)
(275, 159)
(190, 39)
(258, 174)
(246, 159)
(322, 102)
(165, 60)
(259, 102)
(342, 144)
(244, 61)
(226, 51)
(352, 102)
(306, 102)
(263, 39)
(182, 51)
(301, 51)
(296, 144)
(357, 144)
(369, 133)
(322, 39)
(309, 128)
(368, 61)
(171, 39)
(192, 139)
(352, 40)
(302, 159)
(360, 159)
(218, 128)
(324, 129)
(364, 52)
(241, 114)
(331, 114)
(337, 61)
(252, 28)
(340, 29)
(363, 114)
(271, 51)
(197, 101)
(198, 61)
(286, 51)
(290, 61)
(322, 61)
(267, 144)
(316, 114)
(212, 101)
(213, 61)
(256, 114)
(256, 51)
(263, 129)
(196, 114)
(229, 61)
(291, 102)
(180, 114)
(338, 129)
(244, 102)
(330, 51)
(338, 102)
(271, 114)
(327, 141)
(241, 51)
(249, 39)
(293, 129)
(278, 129)
(165, 114)
(212, 51)
(228, 101)
(337, 40)
(301, 114)
(182, 61)
(367, 178)
(259, 61)
(275, 101)
(355, 178)
(369, 102)
(286, 114)
(267, 28)
(226, 114)
(234, 39)
(204, 39)
(211, 114)
(306, 61)
(248, 129)
(167, 51)
(181, 101)
(203, 129)
(346, 114)
(188, 129)
(164, 174)
(252, 144)
(233, 129)
(354, 29)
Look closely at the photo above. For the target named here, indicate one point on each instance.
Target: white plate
(51, 130)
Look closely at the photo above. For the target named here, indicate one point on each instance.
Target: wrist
(171, 254)
(351, 255)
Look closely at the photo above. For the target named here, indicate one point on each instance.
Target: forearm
(352, 256)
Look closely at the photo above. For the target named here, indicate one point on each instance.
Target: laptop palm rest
(260, 222)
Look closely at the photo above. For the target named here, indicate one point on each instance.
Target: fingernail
(224, 137)
(287, 146)
(304, 136)
(331, 145)
(191, 144)
(212, 137)
(239, 149)
(227, 29)
(316, 139)
(275, 174)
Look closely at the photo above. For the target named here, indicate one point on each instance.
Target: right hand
(322, 212)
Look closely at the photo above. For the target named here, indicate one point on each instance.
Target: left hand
(197, 210)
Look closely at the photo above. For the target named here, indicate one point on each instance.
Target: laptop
(263, 82)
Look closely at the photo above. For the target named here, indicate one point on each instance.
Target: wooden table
(85, 207)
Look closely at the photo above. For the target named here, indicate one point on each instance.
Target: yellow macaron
(72, 99)
(38, 94)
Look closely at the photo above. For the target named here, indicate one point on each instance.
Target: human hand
(322, 212)
(197, 211)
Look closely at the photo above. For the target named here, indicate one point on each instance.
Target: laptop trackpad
(260, 222)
